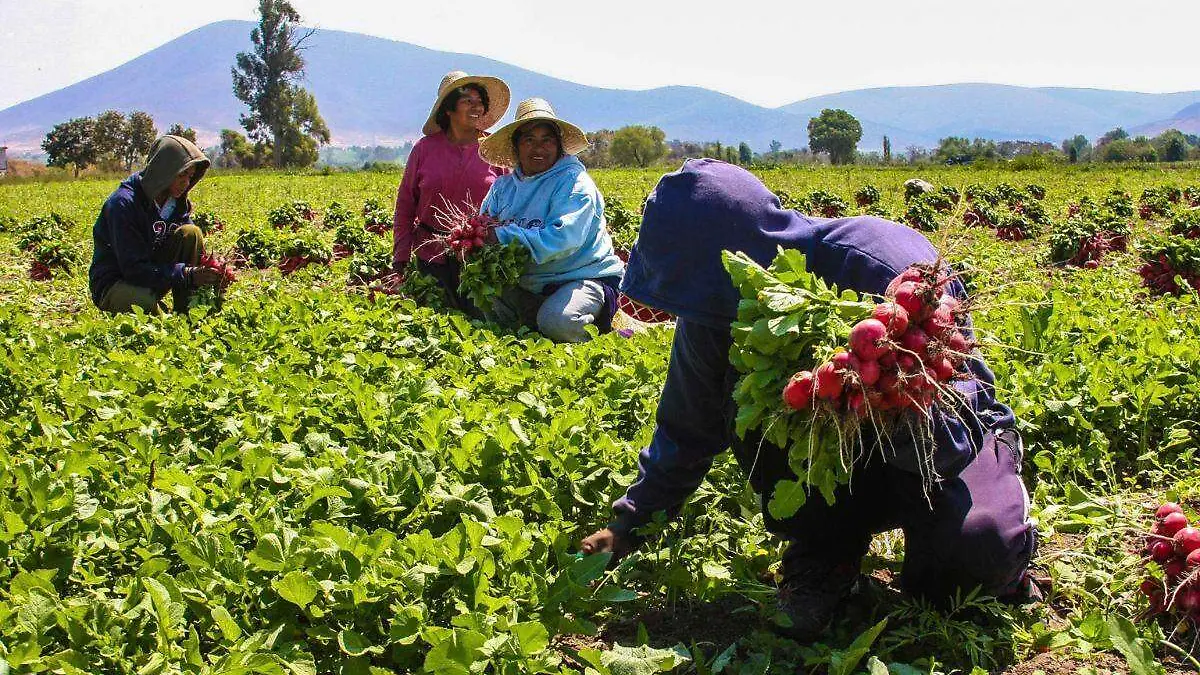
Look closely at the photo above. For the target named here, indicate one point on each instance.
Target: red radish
(906, 362)
(1167, 508)
(957, 342)
(915, 340)
(1173, 568)
(1188, 599)
(856, 403)
(888, 360)
(866, 339)
(950, 301)
(829, 382)
(843, 361)
(1193, 558)
(478, 242)
(799, 391)
(1161, 550)
(892, 316)
(1187, 539)
(1172, 523)
(943, 367)
(868, 372)
(940, 324)
(908, 297)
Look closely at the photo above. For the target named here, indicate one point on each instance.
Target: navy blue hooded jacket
(130, 229)
(690, 218)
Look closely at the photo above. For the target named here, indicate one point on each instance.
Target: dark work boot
(811, 596)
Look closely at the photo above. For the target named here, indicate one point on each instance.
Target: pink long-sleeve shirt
(438, 172)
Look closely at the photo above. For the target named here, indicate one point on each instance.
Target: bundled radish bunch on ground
(1015, 214)
(47, 240)
(371, 262)
(1173, 548)
(1089, 233)
(303, 249)
(827, 205)
(257, 247)
(208, 222)
(787, 201)
(832, 377)
(1156, 202)
(292, 216)
(1191, 195)
(1186, 224)
(376, 216)
(1170, 264)
(867, 196)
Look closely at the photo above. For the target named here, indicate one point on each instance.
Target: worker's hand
(606, 540)
(205, 276)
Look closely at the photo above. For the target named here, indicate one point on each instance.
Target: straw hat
(497, 149)
(497, 93)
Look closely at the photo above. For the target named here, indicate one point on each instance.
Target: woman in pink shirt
(445, 171)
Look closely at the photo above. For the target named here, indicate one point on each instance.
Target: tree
(1128, 150)
(598, 153)
(111, 138)
(835, 132)
(745, 154)
(182, 131)
(282, 115)
(141, 134)
(1171, 146)
(887, 150)
(236, 151)
(1077, 149)
(72, 143)
(638, 145)
(1117, 134)
(776, 146)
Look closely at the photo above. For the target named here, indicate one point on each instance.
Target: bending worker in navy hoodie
(145, 242)
(973, 531)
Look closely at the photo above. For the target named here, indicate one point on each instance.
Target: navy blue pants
(971, 530)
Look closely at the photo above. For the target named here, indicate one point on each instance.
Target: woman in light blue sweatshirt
(551, 206)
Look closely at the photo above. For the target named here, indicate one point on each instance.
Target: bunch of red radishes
(228, 276)
(1092, 250)
(1175, 546)
(40, 271)
(900, 358)
(469, 234)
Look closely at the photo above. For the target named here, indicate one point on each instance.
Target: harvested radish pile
(832, 377)
(1173, 547)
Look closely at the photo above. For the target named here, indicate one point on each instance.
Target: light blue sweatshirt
(559, 216)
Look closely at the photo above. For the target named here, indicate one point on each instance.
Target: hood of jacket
(170, 156)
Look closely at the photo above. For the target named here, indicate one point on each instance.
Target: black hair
(525, 128)
(443, 114)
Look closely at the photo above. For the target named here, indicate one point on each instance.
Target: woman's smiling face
(537, 148)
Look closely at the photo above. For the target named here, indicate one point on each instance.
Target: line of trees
(110, 140)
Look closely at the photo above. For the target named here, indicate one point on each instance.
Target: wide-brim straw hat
(497, 149)
(497, 93)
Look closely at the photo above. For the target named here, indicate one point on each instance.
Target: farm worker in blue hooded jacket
(551, 206)
(145, 242)
(973, 529)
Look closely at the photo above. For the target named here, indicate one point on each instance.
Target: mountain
(377, 91)
(1186, 120)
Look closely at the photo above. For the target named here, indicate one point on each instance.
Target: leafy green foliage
(489, 270)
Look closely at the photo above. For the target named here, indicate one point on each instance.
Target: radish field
(317, 477)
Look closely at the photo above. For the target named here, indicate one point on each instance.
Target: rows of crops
(319, 479)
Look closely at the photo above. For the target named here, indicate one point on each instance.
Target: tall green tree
(836, 132)
(1171, 146)
(1077, 149)
(638, 145)
(282, 114)
(178, 129)
(745, 154)
(141, 135)
(111, 138)
(887, 150)
(73, 143)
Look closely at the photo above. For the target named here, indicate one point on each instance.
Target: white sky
(770, 53)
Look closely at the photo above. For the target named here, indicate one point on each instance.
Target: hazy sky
(768, 53)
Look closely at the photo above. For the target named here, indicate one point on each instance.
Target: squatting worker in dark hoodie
(974, 529)
(145, 242)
